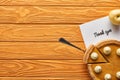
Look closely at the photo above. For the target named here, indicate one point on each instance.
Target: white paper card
(98, 30)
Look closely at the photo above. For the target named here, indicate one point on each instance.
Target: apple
(114, 16)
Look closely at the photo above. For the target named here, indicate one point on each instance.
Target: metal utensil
(70, 44)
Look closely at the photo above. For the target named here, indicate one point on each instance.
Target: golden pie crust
(110, 64)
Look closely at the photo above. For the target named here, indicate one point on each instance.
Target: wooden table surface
(29, 33)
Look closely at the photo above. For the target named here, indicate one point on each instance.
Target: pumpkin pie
(103, 60)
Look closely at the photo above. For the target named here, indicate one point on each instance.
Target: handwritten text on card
(102, 32)
(99, 30)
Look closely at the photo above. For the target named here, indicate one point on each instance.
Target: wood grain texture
(37, 32)
(51, 14)
(40, 50)
(62, 2)
(43, 78)
(43, 68)
(29, 33)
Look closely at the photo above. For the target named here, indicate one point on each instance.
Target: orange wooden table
(29, 33)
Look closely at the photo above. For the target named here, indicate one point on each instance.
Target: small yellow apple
(114, 16)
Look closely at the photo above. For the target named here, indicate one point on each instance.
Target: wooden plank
(40, 50)
(51, 14)
(44, 68)
(45, 78)
(37, 32)
(62, 2)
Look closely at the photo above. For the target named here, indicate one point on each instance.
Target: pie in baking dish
(103, 60)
